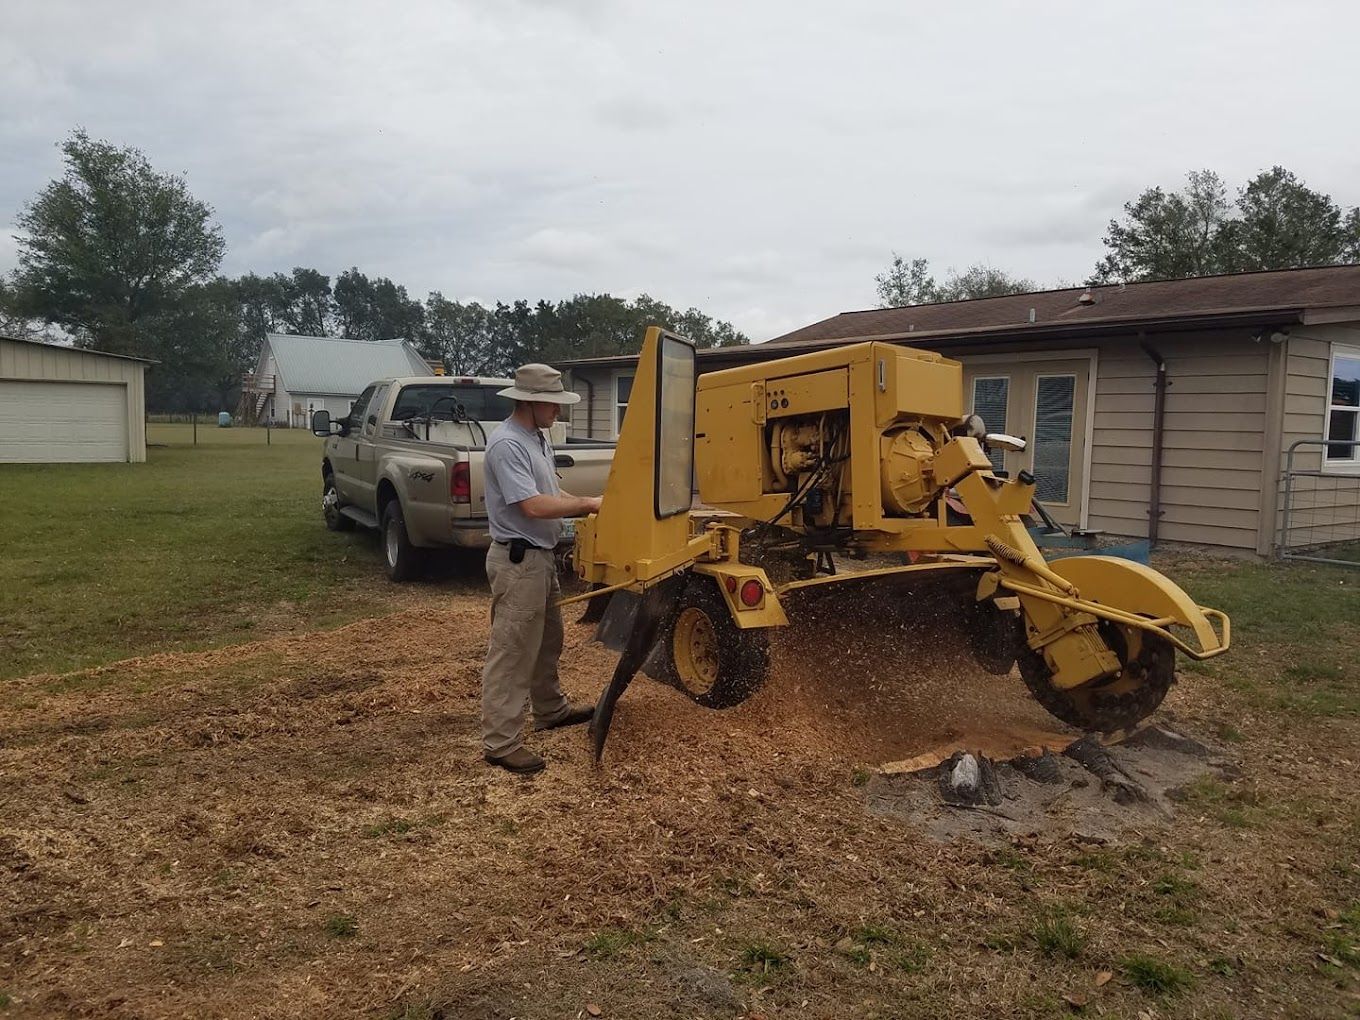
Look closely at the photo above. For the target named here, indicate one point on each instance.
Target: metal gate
(1319, 511)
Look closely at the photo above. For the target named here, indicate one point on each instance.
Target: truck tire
(402, 558)
(330, 506)
(707, 656)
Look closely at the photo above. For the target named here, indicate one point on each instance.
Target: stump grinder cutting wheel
(811, 462)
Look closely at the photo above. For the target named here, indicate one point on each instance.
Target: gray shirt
(519, 464)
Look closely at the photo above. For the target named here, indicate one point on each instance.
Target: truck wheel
(403, 559)
(330, 506)
(709, 657)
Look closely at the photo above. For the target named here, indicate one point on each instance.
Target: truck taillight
(460, 483)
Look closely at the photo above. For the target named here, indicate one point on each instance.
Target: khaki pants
(526, 641)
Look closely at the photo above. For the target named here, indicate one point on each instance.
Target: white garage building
(63, 405)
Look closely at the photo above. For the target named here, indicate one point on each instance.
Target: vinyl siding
(592, 419)
(1325, 503)
(1212, 446)
(64, 364)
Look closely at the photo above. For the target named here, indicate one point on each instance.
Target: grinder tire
(1116, 702)
(707, 656)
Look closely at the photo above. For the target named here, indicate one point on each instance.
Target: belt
(527, 545)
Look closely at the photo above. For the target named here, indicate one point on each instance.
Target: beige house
(1153, 410)
(65, 405)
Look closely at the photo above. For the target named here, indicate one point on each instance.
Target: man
(525, 507)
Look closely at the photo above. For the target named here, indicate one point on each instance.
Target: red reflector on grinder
(731, 583)
(752, 592)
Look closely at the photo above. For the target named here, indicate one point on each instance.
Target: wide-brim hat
(539, 382)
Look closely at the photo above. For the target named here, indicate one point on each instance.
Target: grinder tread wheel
(710, 658)
(1116, 702)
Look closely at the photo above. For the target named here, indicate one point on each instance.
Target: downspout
(590, 405)
(1158, 422)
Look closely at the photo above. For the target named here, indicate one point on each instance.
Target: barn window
(1343, 407)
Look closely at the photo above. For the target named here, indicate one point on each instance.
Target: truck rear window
(479, 403)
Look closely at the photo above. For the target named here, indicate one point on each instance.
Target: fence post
(267, 430)
(194, 418)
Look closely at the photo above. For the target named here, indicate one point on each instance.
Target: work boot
(574, 716)
(521, 761)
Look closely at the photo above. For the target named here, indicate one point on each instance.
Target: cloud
(563, 249)
(758, 166)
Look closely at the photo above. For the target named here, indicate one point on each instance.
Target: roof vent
(1087, 298)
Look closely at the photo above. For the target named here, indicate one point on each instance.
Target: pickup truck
(407, 460)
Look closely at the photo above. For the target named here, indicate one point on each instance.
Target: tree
(111, 245)
(376, 309)
(305, 302)
(476, 340)
(1276, 222)
(1170, 236)
(906, 283)
(463, 336)
(198, 351)
(14, 323)
(1350, 232)
(911, 283)
(982, 281)
(1284, 224)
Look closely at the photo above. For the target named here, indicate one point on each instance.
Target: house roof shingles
(315, 364)
(1205, 296)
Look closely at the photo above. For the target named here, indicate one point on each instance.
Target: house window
(991, 395)
(1343, 409)
(1053, 405)
(623, 389)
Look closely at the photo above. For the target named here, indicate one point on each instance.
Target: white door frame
(1093, 357)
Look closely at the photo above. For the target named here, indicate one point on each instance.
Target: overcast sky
(758, 160)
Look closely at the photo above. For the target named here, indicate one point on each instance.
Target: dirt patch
(303, 827)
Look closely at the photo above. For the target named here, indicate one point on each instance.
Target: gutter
(590, 404)
(1158, 427)
(1008, 333)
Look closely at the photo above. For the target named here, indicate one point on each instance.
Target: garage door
(61, 422)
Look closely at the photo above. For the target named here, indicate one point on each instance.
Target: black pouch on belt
(517, 547)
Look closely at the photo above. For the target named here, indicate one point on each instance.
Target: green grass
(763, 959)
(1055, 935)
(342, 926)
(1178, 899)
(198, 547)
(388, 826)
(611, 941)
(1303, 615)
(1342, 941)
(1154, 976)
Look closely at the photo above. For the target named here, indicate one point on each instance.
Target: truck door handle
(564, 460)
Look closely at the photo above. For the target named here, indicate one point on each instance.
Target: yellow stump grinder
(731, 500)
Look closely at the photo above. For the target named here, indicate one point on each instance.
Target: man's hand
(543, 507)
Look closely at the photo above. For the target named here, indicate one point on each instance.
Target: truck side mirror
(321, 423)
